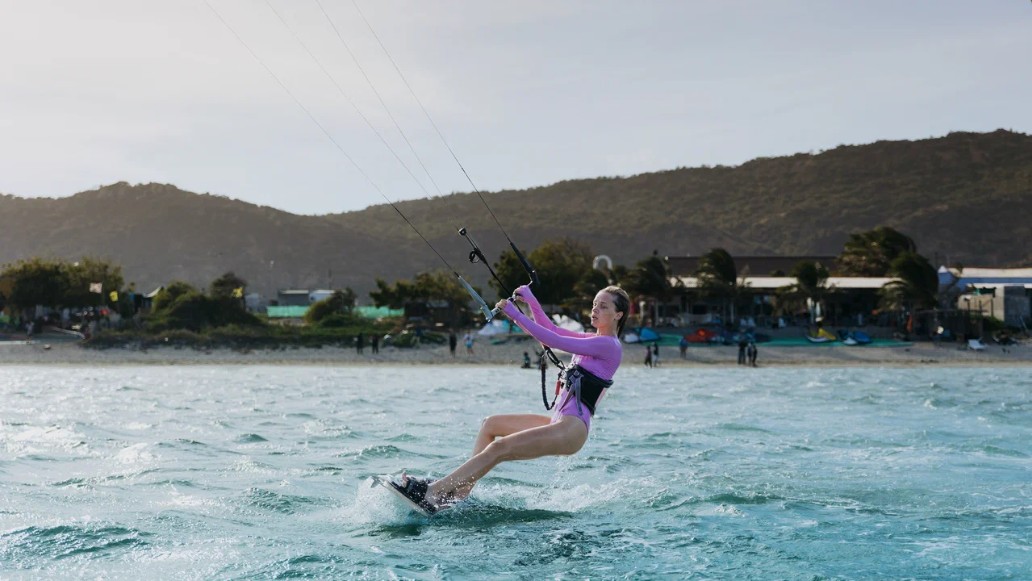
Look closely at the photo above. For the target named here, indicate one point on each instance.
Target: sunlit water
(731, 473)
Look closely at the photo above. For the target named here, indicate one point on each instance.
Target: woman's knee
(500, 450)
(490, 425)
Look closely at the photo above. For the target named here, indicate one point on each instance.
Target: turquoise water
(734, 473)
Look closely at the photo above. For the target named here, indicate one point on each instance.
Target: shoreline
(912, 355)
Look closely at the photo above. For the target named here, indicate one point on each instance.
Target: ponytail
(622, 304)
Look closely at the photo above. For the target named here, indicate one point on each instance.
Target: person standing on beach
(503, 438)
(655, 354)
(468, 339)
(453, 342)
(741, 350)
(750, 352)
(360, 343)
(375, 342)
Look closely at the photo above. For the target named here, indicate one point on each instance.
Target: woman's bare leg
(504, 425)
(562, 438)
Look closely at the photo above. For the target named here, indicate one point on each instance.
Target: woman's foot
(415, 489)
(420, 491)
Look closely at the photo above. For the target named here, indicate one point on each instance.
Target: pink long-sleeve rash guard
(597, 354)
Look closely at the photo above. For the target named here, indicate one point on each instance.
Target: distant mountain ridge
(965, 198)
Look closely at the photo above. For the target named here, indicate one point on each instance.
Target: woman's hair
(622, 304)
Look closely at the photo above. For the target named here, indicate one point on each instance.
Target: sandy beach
(44, 352)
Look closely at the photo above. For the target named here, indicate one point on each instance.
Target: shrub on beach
(196, 312)
(336, 321)
(339, 306)
(183, 316)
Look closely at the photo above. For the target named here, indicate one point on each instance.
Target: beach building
(292, 304)
(301, 297)
(319, 294)
(849, 301)
(254, 302)
(974, 294)
(292, 298)
(1001, 293)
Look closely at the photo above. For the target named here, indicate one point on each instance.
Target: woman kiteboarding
(596, 356)
(508, 437)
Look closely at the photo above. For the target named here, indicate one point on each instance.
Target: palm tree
(871, 253)
(650, 279)
(916, 285)
(810, 286)
(718, 278)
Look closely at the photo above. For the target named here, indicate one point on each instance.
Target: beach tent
(499, 327)
(976, 345)
(564, 322)
(703, 336)
(641, 335)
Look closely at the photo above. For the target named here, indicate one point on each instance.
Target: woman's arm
(524, 294)
(590, 345)
(539, 315)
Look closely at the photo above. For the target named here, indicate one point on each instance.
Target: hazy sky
(526, 93)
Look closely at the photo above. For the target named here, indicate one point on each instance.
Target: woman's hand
(519, 293)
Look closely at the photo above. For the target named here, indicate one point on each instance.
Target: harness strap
(558, 363)
(584, 385)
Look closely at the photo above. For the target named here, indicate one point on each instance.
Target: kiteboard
(396, 491)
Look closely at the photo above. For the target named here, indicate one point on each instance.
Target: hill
(965, 198)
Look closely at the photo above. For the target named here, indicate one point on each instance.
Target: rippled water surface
(264, 472)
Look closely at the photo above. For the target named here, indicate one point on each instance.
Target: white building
(1001, 293)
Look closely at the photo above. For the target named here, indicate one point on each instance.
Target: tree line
(566, 267)
(882, 253)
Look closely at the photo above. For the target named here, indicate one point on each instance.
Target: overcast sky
(526, 93)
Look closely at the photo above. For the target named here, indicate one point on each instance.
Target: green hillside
(965, 198)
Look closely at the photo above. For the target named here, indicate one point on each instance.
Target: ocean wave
(31, 545)
(744, 498)
(249, 439)
(274, 501)
(86, 482)
(373, 452)
(307, 566)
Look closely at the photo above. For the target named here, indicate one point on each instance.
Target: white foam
(27, 440)
(135, 454)
(374, 504)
